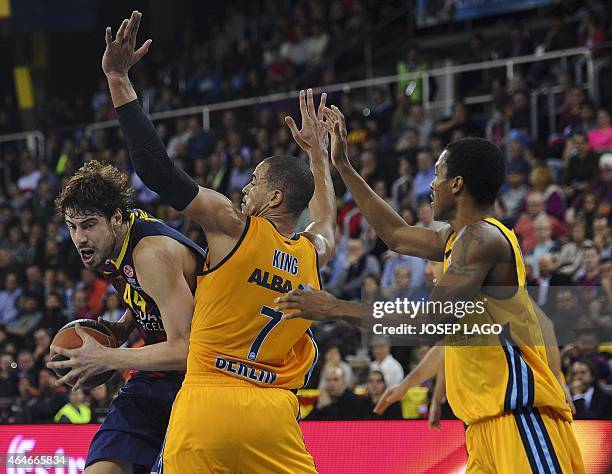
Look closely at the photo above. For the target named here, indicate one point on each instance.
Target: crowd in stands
(557, 197)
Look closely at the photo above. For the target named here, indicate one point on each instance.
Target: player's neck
(466, 215)
(121, 233)
(282, 222)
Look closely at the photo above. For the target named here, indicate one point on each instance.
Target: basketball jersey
(123, 274)
(483, 381)
(235, 330)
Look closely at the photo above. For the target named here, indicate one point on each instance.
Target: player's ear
(457, 184)
(117, 217)
(276, 198)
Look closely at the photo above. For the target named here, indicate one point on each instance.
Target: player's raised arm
(213, 211)
(313, 139)
(388, 224)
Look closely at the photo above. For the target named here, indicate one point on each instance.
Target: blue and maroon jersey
(124, 277)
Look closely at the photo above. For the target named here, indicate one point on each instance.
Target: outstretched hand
(313, 135)
(337, 129)
(121, 54)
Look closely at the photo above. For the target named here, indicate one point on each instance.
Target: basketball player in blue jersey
(154, 268)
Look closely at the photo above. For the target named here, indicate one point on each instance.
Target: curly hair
(481, 164)
(96, 188)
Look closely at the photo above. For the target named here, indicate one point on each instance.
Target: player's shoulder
(154, 250)
(482, 240)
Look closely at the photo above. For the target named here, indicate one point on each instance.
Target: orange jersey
(235, 329)
(483, 381)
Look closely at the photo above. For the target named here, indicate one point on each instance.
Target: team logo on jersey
(129, 271)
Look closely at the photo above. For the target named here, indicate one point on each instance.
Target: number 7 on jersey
(276, 317)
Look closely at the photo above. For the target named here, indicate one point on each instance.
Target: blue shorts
(136, 423)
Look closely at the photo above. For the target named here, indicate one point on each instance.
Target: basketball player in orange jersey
(515, 408)
(237, 410)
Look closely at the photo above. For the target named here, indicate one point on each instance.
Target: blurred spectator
(421, 185)
(353, 269)
(542, 181)
(95, 288)
(588, 274)
(49, 398)
(333, 358)
(29, 318)
(571, 253)
(81, 308)
(416, 267)
(548, 276)
(581, 164)
(591, 402)
(514, 193)
(100, 401)
(42, 341)
(525, 228)
(8, 376)
(75, 411)
(459, 120)
(411, 63)
(401, 189)
(375, 387)
(544, 244)
(600, 138)
(9, 296)
(592, 34)
(384, 361)
(336, 401)
(112, 307)
(420, 122)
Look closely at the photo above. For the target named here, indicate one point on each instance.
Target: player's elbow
(180, 349)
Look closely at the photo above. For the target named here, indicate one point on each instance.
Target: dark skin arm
(477, 248)
(388, 224)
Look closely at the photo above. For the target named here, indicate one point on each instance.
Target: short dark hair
(293, 177)
(96, 188)
(481, 165)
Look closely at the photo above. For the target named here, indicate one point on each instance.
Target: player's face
(441, 194)
(257, 197)
(93, 236)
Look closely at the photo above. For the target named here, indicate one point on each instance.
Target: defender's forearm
(322, 206)
(121, 90)
(161, 356)
(150, 160)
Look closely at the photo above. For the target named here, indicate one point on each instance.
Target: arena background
(531, 75)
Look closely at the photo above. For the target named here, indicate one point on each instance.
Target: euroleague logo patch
(129, 271)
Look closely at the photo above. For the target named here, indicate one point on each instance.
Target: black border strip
(525, 440)
(233, 251)
(549, 444)
(536, 441)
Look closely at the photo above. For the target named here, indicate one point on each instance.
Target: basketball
(68, 338)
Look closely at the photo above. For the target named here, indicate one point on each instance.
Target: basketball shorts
(136, 423)
(530, 440)
(225, 425)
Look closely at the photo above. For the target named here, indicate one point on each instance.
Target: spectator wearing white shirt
(28, 182)
(385, 362)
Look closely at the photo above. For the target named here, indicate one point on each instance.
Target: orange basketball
(68, 338)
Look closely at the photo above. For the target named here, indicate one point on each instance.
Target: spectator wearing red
(525, 228)
(96, 289)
